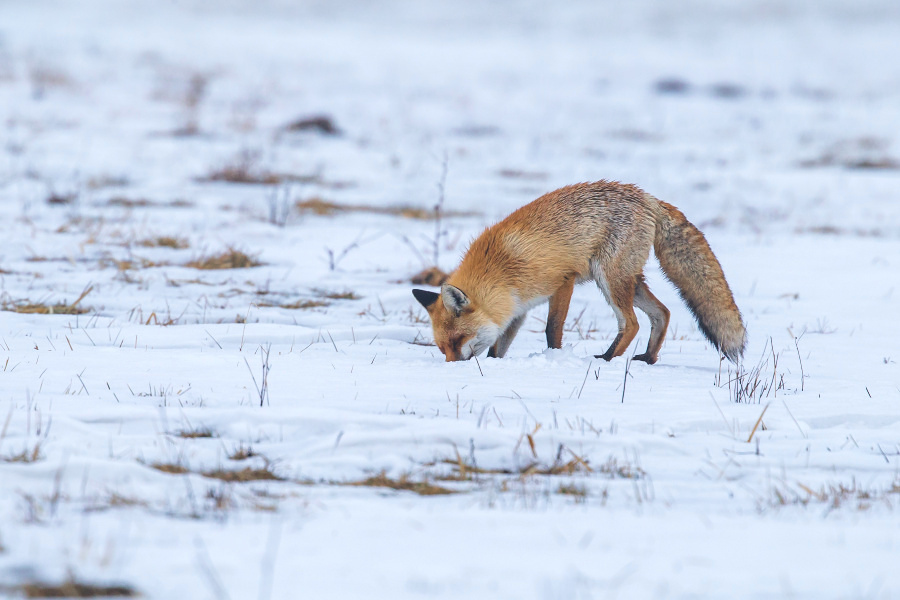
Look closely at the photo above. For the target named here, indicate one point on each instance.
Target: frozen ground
(773, 126)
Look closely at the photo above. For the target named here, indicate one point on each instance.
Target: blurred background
(751, 115)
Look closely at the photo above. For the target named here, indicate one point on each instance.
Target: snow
(762, 122)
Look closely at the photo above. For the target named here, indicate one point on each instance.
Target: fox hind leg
(620, 295)
(659, 319)
(498, 350)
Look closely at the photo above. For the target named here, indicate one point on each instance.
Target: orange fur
(600, 231)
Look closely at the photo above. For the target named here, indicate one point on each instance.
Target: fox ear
(425, 298)
(454, 299)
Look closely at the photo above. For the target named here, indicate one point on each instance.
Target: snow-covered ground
(773, 126)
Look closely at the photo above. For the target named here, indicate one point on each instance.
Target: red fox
(598, 231)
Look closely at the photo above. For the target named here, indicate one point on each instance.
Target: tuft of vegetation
(433, 276)
(345, 295)
(230, 259)
(243, 475)
(164, 241)
(298, 305)
(72, 588)
(465, 471)
(41, 308)
(200, 432)
(404, 483)
(836, 495)
(242, 453)
(320, 207)
(579, 492)
(106, 181)
(245, 169)
(25, 456)
(171, 468)
(114, 500)
(122, 201)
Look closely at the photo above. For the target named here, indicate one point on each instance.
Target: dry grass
(345, 295)
(25, 456)
(612, 467)
(298, 305)
(164, 241)
(106, 181)
(431, 276)
(40, 308)
(131, 264)
(518, 174)
(113, 501)
(841, 231)
(171, 468)
(230, 259)
(624, 470)
(199, 432)
(76, 589)
(245, 169)
(570, 489)
(465, 471)
(242, 453)
(124, 202)
(318, 206)
(404, 483)
(243, 475)
(836, 495)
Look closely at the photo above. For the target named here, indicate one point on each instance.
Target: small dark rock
(315, 124)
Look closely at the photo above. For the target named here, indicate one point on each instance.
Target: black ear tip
(425, 297)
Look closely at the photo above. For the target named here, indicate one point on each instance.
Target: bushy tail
(689, 263)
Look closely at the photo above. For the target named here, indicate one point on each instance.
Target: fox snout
(461, 331)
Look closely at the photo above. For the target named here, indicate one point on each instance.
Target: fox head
(461, 329)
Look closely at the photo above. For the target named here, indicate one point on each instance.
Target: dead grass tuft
(243, 475)
(171, 468)
(245, 169)
(124, 202)
(345, 295)
(298, 305)
(422, 488)
(200, 432)
(113, 501)
(836, 495)
(106, 181)
(129, 202)
(76, 589)
(625, 470)
(431, 276)
(25, 456)
(318, 206)
(570, 489)
(164, 241)
(242, 453)
(230, 259)
(40, 308)
(841, 231)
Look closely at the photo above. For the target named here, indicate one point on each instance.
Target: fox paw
(645, 357)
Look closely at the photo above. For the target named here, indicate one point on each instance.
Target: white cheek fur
(484, 339)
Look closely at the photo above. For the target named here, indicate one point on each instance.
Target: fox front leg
(559, 308)
(498, 350)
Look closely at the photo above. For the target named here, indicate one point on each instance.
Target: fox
(601, 232)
